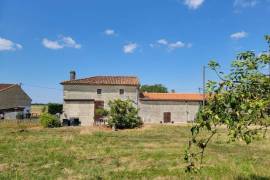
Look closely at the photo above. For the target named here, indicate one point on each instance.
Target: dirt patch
(3, 167)
(92, 129)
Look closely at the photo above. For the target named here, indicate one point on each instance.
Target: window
(121, 91)
(99, 91)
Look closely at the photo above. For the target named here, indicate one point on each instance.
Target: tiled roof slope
(105, 80)
(5, 86)
(171, 97)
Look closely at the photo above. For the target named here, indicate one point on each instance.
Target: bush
(123, 115)
(101, 112)
(49, 121)
(54, 108)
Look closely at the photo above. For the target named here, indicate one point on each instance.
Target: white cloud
(8, 45)
(176, 45)
(51, 44)
(61, 43)
(193, 4)
(69, 42)
(162, 41)
(239, 35)
(171, 45)
(245, 3)
(130, 48)
(109, 32)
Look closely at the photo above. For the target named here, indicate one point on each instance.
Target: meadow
(37, 109)
(152, 152)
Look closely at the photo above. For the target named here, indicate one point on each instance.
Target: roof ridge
(170, 93)
(8, 86)
(110, 80)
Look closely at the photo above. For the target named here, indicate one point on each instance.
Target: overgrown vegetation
(123, 115)
(157, 88)
(240, 101)
(147, 153)
(49, 121)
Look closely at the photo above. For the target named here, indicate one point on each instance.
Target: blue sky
(160, 41)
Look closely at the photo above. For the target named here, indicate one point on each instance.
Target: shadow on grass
(253, 177)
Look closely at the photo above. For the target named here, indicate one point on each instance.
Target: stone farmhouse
(83, 96)
(13, 100)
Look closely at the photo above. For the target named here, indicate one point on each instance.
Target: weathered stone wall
(108, 93)
(84, 110)
(14, 97)
(150, 111)
(181, 111)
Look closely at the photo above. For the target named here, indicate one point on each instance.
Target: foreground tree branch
(240, 102)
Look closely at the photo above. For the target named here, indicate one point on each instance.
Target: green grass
(154, 152)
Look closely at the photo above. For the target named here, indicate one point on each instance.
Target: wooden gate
(167, 117)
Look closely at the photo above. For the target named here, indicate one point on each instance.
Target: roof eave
(180, 100)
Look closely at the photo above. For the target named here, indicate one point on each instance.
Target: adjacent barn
(13, 101)
(169, 107)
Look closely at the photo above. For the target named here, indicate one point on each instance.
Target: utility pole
(204, 85)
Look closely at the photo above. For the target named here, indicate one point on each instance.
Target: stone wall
(181, 111)
(108, 93)
(83, 109)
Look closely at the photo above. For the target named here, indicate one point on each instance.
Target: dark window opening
(121, 91)
(99, 91)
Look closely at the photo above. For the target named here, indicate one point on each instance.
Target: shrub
(101, 112)
(49, 121)
(54, 108)
(123, 115)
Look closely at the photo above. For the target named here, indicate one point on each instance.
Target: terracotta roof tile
(105, 80)
(5, 86)
(171, 97)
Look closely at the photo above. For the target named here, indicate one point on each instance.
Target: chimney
(72, 75)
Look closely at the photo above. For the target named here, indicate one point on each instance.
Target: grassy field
(153, 152)
(37, 108)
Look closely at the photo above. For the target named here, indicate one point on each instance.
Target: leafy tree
(123, 115)
(240, 101)
(54, 108)
(158, 88)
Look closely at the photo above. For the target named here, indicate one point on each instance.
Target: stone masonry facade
(81, 96)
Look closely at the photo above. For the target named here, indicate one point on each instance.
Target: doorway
(167, 117)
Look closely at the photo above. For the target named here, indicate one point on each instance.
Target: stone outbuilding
(13, 100)
(169, 107)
